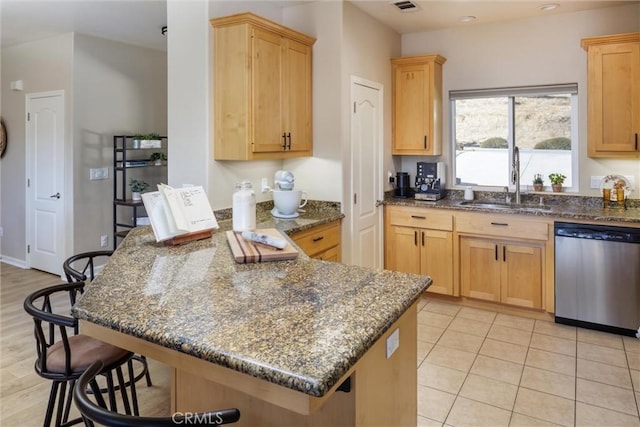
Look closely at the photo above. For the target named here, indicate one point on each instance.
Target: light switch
(98, 173)
(393, 342)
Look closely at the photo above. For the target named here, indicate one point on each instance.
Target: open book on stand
(179, 215)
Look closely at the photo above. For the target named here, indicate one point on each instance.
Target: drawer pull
(501, 224)
(317, 239)
(418, 217)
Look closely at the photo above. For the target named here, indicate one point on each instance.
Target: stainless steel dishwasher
(597, 274)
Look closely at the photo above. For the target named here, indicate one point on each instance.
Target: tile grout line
(529, 347)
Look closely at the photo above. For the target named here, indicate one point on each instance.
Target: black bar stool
(81, 268)
(63, 354)
(97, 411)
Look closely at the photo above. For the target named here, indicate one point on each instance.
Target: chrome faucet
(515, 173)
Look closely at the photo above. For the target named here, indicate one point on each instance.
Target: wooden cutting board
(245, 252)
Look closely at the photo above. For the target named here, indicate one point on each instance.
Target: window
(540, 120)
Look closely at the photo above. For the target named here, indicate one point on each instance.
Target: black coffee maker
(403, 186)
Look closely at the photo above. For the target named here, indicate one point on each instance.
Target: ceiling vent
(406, 6)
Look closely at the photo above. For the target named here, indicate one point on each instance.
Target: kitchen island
(300, 342)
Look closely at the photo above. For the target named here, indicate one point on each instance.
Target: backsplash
(535, 198)
(312, 206)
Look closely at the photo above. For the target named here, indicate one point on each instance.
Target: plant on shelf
(557, 179)
(147, 136)
(152, 140)
(158, 157)
(538, 182)
(137, 186)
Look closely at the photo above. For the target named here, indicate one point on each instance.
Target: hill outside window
(540, 120)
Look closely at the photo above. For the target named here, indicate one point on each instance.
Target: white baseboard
(14, 261)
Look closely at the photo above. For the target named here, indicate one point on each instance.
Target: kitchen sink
(505, 206)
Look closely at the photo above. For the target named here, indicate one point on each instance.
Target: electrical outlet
(595, 181)
(104, 241)
(393, 342)
(264, 185)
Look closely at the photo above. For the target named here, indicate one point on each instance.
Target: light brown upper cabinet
(417, 105)
(613, 76)
(262, 89)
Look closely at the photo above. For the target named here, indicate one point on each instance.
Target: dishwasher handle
(609, 234)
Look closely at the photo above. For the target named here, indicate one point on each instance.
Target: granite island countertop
(301, 324)
(565, 208)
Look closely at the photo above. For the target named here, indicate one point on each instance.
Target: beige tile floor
(482, 368)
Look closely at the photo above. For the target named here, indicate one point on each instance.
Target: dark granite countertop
(301, 324)
(561, 207)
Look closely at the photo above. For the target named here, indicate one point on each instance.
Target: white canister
(244, 207)
(468, 193)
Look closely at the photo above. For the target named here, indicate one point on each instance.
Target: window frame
(511, 93)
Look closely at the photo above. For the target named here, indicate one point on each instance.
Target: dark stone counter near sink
(561, 207)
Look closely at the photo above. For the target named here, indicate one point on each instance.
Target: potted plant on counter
(538, 182)
(137, 186)
(557, 179)
(157, 158)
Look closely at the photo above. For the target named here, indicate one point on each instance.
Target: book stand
(189, 237)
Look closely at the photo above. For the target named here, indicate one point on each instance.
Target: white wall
(133, 101)
(110, 88)
(530, 51)
(43, 65)
(188, 89)
(321, 175)
(368, 49)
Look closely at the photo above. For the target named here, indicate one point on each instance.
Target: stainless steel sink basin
(504, 206)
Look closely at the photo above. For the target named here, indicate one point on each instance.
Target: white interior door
(45, 181)
(366, 173)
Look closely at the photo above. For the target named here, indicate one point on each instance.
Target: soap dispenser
(468, 193)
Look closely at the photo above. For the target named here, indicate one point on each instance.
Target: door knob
(55, 196)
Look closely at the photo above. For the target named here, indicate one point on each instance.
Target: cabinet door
(412, 109)
(614, 100)
(522, 275)
(480, 269)
(402, 251)
(267, 96)
(297, 85)
(437, 260)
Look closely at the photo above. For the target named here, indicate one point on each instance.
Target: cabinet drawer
(331, 254)
(318, 239)
(502, 226)
(420, 217)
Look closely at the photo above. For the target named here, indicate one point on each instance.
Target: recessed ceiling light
(467, 18)
(549, 6)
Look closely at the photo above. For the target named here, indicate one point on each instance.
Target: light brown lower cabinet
(420, 241)
(502, 271)
(320, 242)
